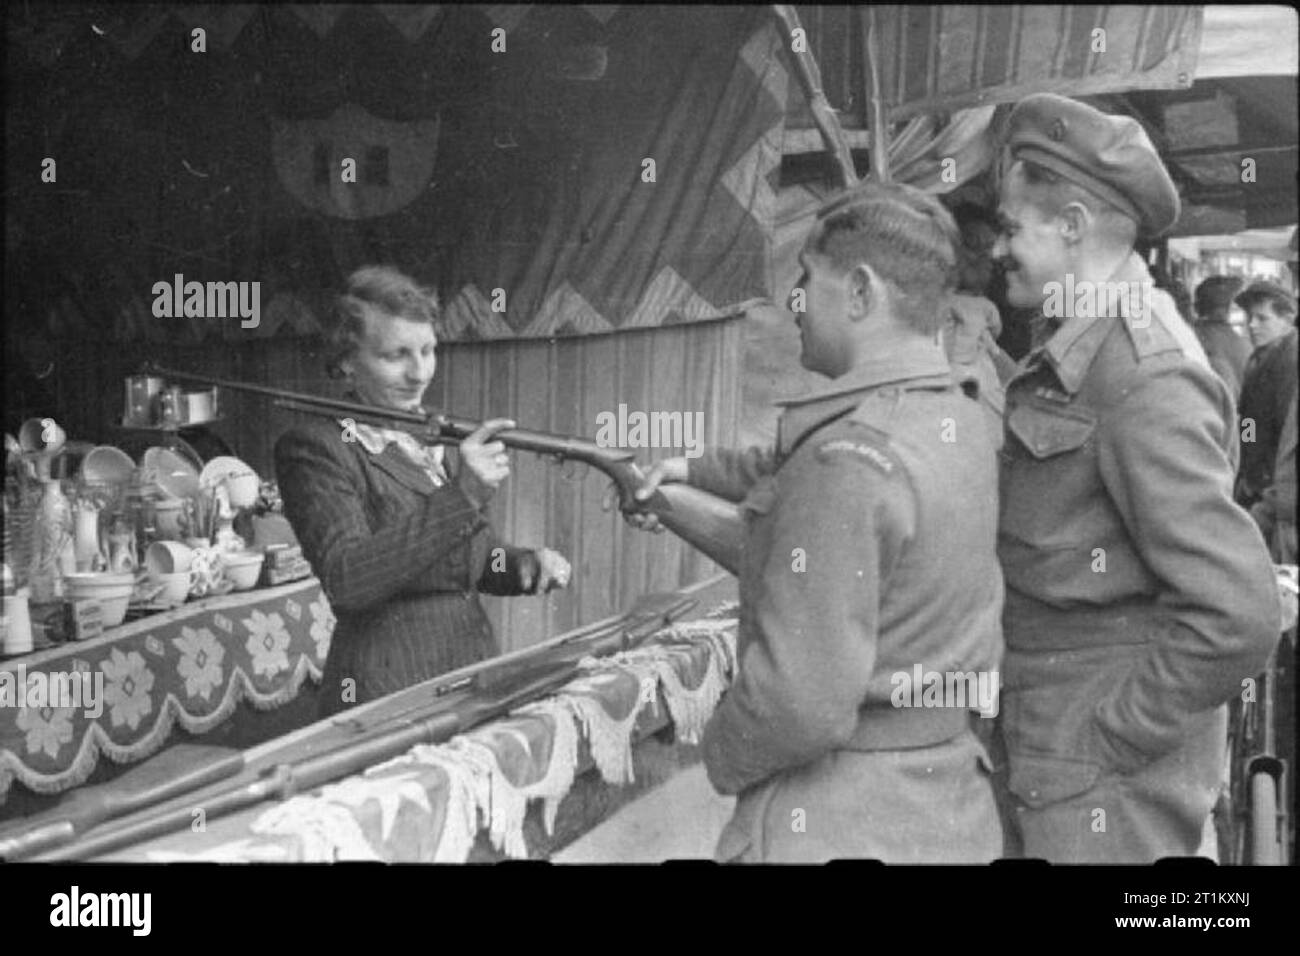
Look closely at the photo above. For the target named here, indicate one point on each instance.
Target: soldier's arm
(730, 473)
(803, 673)
(1163, 460)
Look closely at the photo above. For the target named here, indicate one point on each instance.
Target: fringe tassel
(558, 779)
(610, 740)
(466, 795)
(505, 804)
(326, 831)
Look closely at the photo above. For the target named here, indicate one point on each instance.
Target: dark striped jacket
(401, 560)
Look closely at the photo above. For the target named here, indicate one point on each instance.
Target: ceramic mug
(168, 557)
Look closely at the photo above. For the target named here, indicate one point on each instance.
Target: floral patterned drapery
(190, 667)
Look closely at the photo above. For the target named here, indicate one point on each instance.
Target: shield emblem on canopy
(394, 161)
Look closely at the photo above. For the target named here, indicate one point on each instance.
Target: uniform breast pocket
(1049, 474)
(1045, 433)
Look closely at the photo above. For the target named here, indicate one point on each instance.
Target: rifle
(456, 703)
(706, 522)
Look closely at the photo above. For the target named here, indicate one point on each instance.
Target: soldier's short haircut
(378, 290)
(904, 234)
(1053, 192)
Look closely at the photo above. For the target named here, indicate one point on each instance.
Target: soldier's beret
(1110, 156)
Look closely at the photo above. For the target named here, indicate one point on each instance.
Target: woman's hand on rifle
(666, 469)
(485, 462)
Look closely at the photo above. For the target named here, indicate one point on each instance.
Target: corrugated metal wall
(551, 385)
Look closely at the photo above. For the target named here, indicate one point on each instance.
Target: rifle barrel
(435, 428)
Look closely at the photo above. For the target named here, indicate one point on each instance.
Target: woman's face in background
(394, 361)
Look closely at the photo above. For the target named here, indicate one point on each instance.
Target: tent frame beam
(810, 79)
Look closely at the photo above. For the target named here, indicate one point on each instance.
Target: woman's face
(394, 361)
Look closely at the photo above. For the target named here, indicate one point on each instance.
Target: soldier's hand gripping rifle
(705, 521)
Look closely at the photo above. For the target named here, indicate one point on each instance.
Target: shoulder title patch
(841, 447)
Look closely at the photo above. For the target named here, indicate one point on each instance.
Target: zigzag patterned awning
(517, 183)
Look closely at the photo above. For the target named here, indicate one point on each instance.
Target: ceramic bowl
(242, 568)
(107, 465)
(112, 590)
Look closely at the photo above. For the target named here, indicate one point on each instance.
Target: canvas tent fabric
(523, 171)
(1213, 85)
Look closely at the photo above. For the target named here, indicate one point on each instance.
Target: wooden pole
(878, 119)
(810, 78)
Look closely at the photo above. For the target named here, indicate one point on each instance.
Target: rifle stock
(706, 522)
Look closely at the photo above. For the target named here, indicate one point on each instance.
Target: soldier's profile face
(823, 317)
(1029, 249)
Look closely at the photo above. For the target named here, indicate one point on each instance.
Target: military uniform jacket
(1139, 596)
(870, 549)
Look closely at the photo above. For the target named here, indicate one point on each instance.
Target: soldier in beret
(870, 576)
(1139, 594)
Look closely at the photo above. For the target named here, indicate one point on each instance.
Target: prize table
(188, 668)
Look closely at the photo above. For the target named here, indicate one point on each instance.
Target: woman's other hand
(553, 570)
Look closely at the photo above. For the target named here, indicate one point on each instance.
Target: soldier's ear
(865, 290)
(1076, 219)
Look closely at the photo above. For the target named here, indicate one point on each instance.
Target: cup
(168, 557)
(18, 624)
(198, 407)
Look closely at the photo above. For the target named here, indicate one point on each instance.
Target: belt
(900, 728)
(1030, 626)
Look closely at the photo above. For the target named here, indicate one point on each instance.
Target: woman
(400, 542)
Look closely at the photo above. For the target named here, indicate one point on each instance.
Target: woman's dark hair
(379, 290)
